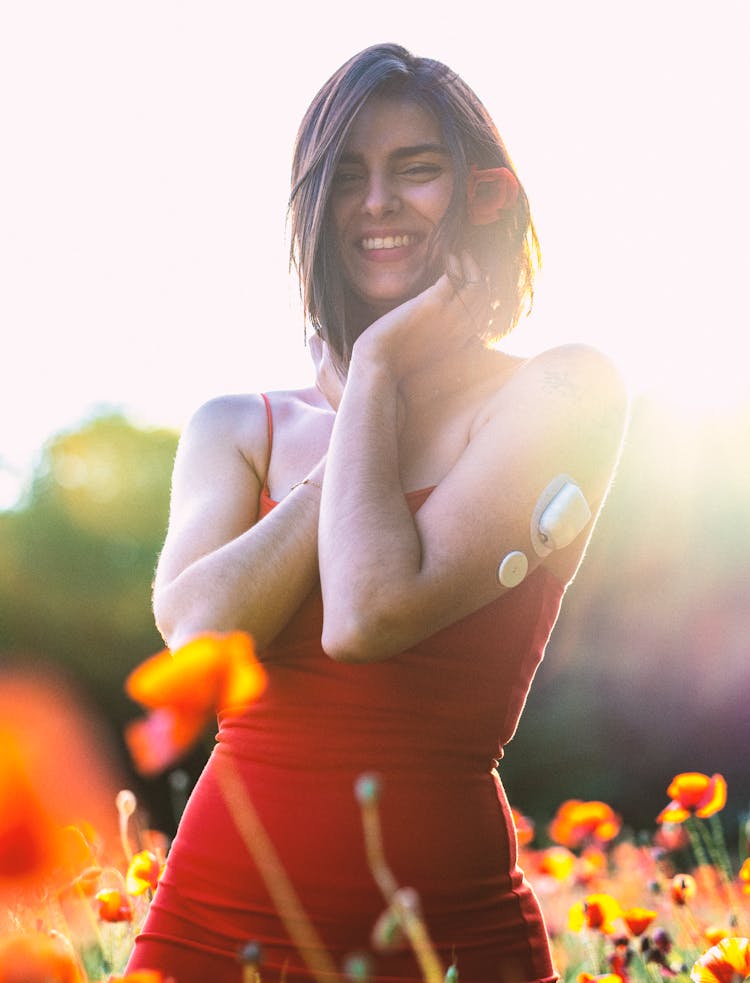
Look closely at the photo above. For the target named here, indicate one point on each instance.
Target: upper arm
(216, 482)
(563, 412)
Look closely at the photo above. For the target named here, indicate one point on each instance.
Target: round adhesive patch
(513, 569)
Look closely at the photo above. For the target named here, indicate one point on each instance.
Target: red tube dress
(430, 723)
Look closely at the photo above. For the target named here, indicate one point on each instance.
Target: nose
(381, 197)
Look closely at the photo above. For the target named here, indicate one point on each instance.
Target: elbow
(175, 626)
(355, 641)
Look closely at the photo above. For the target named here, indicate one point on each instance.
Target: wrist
(371, 365)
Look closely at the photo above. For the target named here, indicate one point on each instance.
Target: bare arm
(391, 579)
(220, 568)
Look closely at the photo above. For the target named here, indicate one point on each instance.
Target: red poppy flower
(43, 794)
(557, 862)
(727, 962)
(597, 911)
(489, 193)
(694, 794)
(716, 933)
(591, 864)
(577, 822)
(683, 888)
(35, 957)
(638, 919)
(213, 673)
(143, 873)
(113, 906)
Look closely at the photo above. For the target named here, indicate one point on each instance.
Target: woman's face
(392, 187)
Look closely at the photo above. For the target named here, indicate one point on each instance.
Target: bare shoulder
(240, 422)
(575, 383)
(577, 371)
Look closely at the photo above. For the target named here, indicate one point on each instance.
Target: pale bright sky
(145, 162)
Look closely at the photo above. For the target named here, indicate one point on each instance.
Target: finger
(471, 270)
(454, 270)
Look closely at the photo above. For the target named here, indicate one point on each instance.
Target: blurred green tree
(78, 554)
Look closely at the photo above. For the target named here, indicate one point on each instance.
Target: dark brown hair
(507, 250)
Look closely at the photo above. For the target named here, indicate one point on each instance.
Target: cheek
(433, 201)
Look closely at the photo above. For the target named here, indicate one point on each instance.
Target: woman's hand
(430, 326)
(328, 380)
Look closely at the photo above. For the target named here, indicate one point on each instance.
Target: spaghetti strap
(269, 417)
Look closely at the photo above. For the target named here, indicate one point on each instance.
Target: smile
(388, 242)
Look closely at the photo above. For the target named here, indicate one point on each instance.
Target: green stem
(693, 832)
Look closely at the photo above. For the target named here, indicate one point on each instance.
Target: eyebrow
(400, 152)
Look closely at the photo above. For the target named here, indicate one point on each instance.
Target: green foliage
(78, 556)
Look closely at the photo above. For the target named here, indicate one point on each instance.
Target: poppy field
(79, 864)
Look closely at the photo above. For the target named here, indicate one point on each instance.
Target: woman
(396, 539)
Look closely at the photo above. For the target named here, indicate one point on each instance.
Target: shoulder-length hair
(507, 250)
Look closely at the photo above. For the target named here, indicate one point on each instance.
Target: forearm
(368, 542)
(253, 583)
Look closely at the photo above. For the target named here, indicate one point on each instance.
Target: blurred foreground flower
(577, 823)
(183, 690)
(694, 794)
(35, 957)
(727, 962)
(143, 873)
(53, 783)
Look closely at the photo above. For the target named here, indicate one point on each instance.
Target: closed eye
(341, 178)
(424, 171)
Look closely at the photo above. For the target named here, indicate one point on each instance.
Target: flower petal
(163, 737)
(726, 961)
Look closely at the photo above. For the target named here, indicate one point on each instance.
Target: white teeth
(389, 242)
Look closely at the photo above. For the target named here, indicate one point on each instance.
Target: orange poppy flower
(113, 906)
(693, 794)
(35, 957)
(683, 888)
(727, 962)
(715, 934)
(591, 864)
(597, 911)
(143, 873)
(524, 828)
(43, 793)
(744, 876)
(183, 690)
(638, 919)
(601, 978)
(557, 862)
(578, 822)
(143, 976)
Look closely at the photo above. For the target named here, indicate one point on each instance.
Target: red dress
(430, 723)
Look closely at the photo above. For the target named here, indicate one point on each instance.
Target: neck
(455, 372)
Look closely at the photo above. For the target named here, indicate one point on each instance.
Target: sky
(147, 146)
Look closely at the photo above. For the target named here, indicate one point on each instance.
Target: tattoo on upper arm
(559, 381)
(604, 414)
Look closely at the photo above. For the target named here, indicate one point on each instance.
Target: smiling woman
(392, 187)
(396, 539)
